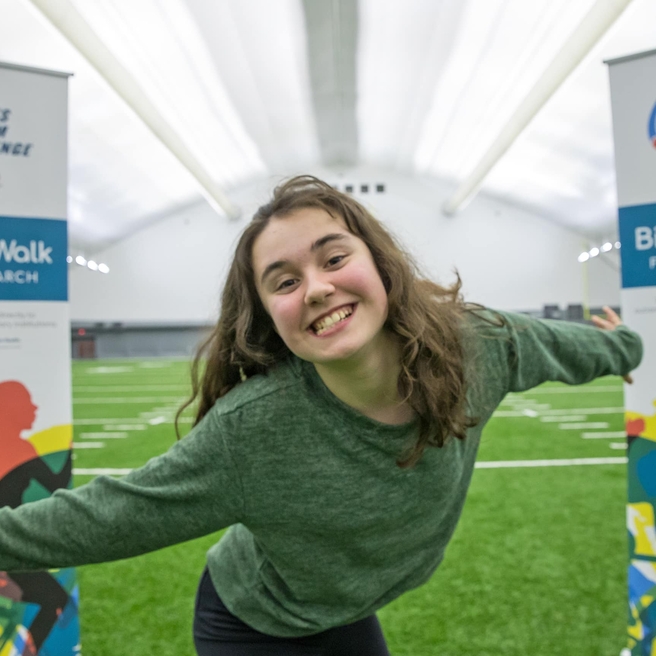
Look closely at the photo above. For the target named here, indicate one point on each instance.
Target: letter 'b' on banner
(633, 99)
(38, 610)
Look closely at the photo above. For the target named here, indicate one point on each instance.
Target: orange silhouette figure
(17, 414)
(19, 465)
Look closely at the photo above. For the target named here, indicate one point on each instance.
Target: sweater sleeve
(541, 350)
(191, 490)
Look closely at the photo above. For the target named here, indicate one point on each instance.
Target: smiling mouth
(336, 317)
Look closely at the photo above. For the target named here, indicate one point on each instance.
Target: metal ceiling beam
(593, 26)
(65, 17)
(332, 29)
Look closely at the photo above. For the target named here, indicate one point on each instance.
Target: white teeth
(331, 320)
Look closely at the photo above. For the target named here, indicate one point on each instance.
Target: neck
(368, 382)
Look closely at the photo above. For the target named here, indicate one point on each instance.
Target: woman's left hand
(611, 322)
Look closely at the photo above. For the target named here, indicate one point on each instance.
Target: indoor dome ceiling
(255, 88)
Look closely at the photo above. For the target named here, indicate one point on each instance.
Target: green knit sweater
(325, 528)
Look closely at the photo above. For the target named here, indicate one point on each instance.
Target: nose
(318, 287)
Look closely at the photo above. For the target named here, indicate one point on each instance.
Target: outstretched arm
(540, 350)
(192, 490)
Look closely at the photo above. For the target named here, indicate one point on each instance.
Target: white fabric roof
(258, 88)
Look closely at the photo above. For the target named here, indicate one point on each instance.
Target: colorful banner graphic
(633, 99)
(38, 610)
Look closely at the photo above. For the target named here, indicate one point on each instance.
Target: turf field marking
(559, 415)
(585, 411)
(514, 413)
(586, 424)
(106, 420)
(125, 427)
(578, 390)
(88, 445)
(108, 370)
(618, 445)
(555, 418)
(130, 388)
(104, 435)
(92, 421)
(499, 464)
(601, 436)
(157, 420)
(121, 399)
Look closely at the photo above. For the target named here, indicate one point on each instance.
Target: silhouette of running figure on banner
(20, 464)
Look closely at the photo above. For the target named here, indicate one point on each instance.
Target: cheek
(284, 312)
(364, 280)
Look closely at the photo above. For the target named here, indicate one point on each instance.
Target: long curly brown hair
(426, 317)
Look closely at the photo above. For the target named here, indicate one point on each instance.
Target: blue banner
(638, 238)
(33, 259)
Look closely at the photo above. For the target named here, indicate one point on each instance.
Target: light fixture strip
(597, 250)
(65, 17)
(593, 26)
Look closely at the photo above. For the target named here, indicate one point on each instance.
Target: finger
(612, 316)
(602, 323)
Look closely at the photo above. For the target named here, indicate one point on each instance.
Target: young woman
(340, 409)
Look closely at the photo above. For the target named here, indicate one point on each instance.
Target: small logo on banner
(652, 126)
(7, 145)
(33, 259)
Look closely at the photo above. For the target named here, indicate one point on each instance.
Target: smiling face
(320, 286)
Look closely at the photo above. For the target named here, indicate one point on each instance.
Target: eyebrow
(319, 243)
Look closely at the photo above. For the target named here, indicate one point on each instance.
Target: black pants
(217, 632)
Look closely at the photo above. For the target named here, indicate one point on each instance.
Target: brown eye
(336, 260)
(284, 285)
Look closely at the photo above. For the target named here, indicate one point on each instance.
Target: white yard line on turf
(104, 435)
(130, 388)
(492, 464)
(618, 445)
(556, 418)
(584, 411)
(122, 420)
(500, 464)
(88, 445)
(121, 400)
(585, 424)
(604, 435)
(577, 390)
(560, 415)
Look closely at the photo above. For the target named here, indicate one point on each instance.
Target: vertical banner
(38, 610)
(633, 100)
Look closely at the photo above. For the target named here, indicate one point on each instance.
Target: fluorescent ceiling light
(584, 257)
(167, 86)
(81, 260)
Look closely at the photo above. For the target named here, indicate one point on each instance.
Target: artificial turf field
(537, 565)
